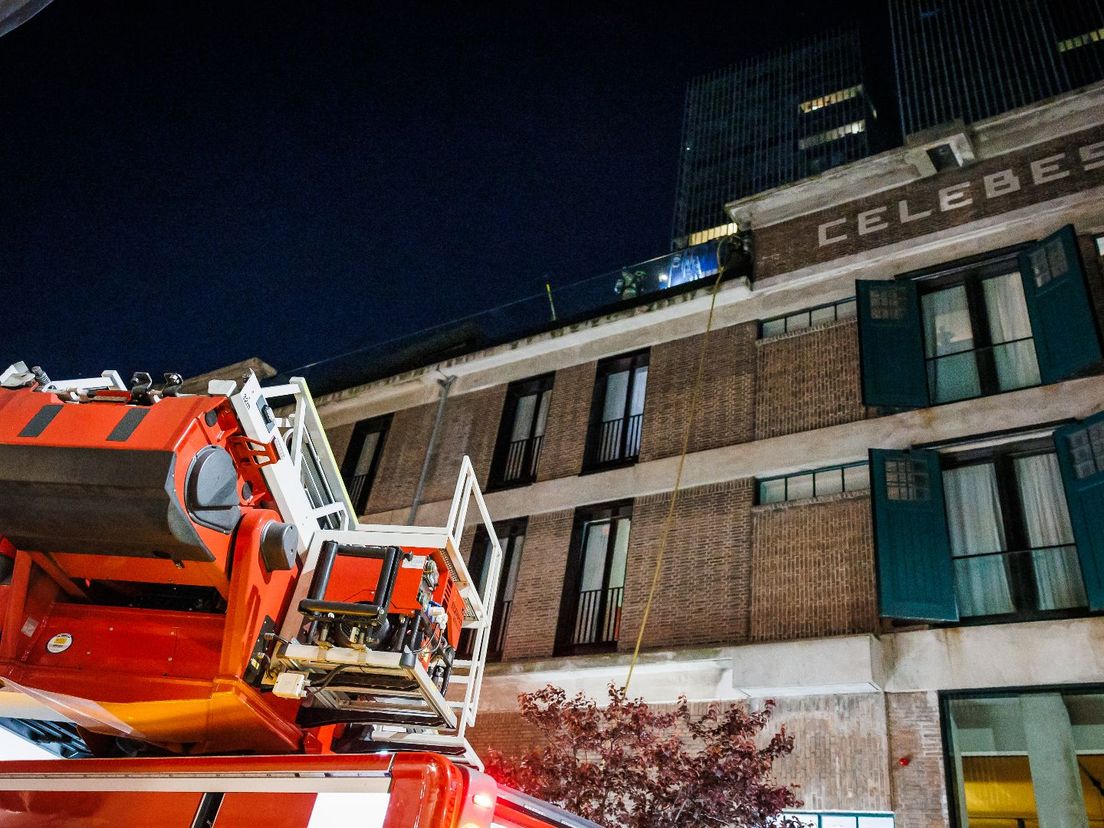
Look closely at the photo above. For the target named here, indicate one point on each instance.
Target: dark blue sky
(186, 184)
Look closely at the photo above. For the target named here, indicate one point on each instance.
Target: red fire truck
(183, 581)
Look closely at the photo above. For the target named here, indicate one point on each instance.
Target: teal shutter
(1080, 449)
(1062, 321)
(913, 552)
(891, 347)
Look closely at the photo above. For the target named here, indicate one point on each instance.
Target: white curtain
(1017, 366)
(948, 334)
(1057, 570)
(976, 526)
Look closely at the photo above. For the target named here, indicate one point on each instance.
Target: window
(831, 98)
(1011, 539)
(998, 322)
(521, 433)
(511, 537)
(1004, 529)
(590, 615)
(1025, 759)
(1071, 43)
(831, 312)
(815, 483)
(853, 128)
(840, 819)
(1099, 240)
(977, 333)
(362, 459)
(617, 413)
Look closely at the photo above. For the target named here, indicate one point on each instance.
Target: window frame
(808, 314)
(631, 362)
(971, 272)
(542, 386)
(512, 530)
(840, 467)
(1021, 582)
(572, 587)
(372, 425)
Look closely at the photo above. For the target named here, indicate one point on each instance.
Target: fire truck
(184, 586)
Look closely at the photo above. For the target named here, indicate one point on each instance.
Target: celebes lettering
(963, 194)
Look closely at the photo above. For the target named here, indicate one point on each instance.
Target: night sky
(188, 184)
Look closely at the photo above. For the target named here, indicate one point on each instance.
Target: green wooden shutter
(891, 347)
(1066, 340)
(1081, 458)
(915, 575)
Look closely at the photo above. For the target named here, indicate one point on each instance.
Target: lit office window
(853, 128)
(1069, 44)
(832, 98)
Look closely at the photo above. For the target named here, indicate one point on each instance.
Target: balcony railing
(521, 461)
(598, 617)
(357, 490)
(1054, 573)
(612, 441)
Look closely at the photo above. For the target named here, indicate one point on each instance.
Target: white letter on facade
(1092, 156)
(822, 232)
(1046, 169)
(869, 221)
(906, 217)
(953, 197)
(1001, 183)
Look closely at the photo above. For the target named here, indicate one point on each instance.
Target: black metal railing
(358, 491)
(521, 460)
(598, 617)
(615, 440)
(1003, 361)
(498, 630)
(1029, 564)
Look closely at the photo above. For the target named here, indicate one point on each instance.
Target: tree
(627, 765)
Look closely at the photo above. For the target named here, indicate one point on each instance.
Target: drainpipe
(446, 385)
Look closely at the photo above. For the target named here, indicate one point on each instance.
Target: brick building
(890, 517)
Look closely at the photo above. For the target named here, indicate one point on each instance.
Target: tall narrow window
(511, 537)
(977, 335)
(362, 459)
(1011, 538)
(590, 616)
(521, 432)
(617, 414)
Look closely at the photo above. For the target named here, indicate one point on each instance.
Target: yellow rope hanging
(678, 474)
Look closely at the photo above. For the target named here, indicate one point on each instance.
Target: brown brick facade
(812, 569)
(401, 461)
(568, 414)
(918, 787)
(724, 414)
(807, 380)
(787, 246)
(702, 596)
(535, 611)
(339, 437)
(839, 758)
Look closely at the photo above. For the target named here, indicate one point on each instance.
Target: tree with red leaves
(626, 765)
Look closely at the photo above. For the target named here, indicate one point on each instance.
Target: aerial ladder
(184, 574)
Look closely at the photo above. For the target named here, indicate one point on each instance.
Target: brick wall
(568, 414)
(507, 733)
(807, 380)
(535, 612)
(469, 426)
(919, 788)
(702, 596)
(339, 438)
(401, 461)
(812, 569)
(839, 759)
(725, 405)
(786, 246)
